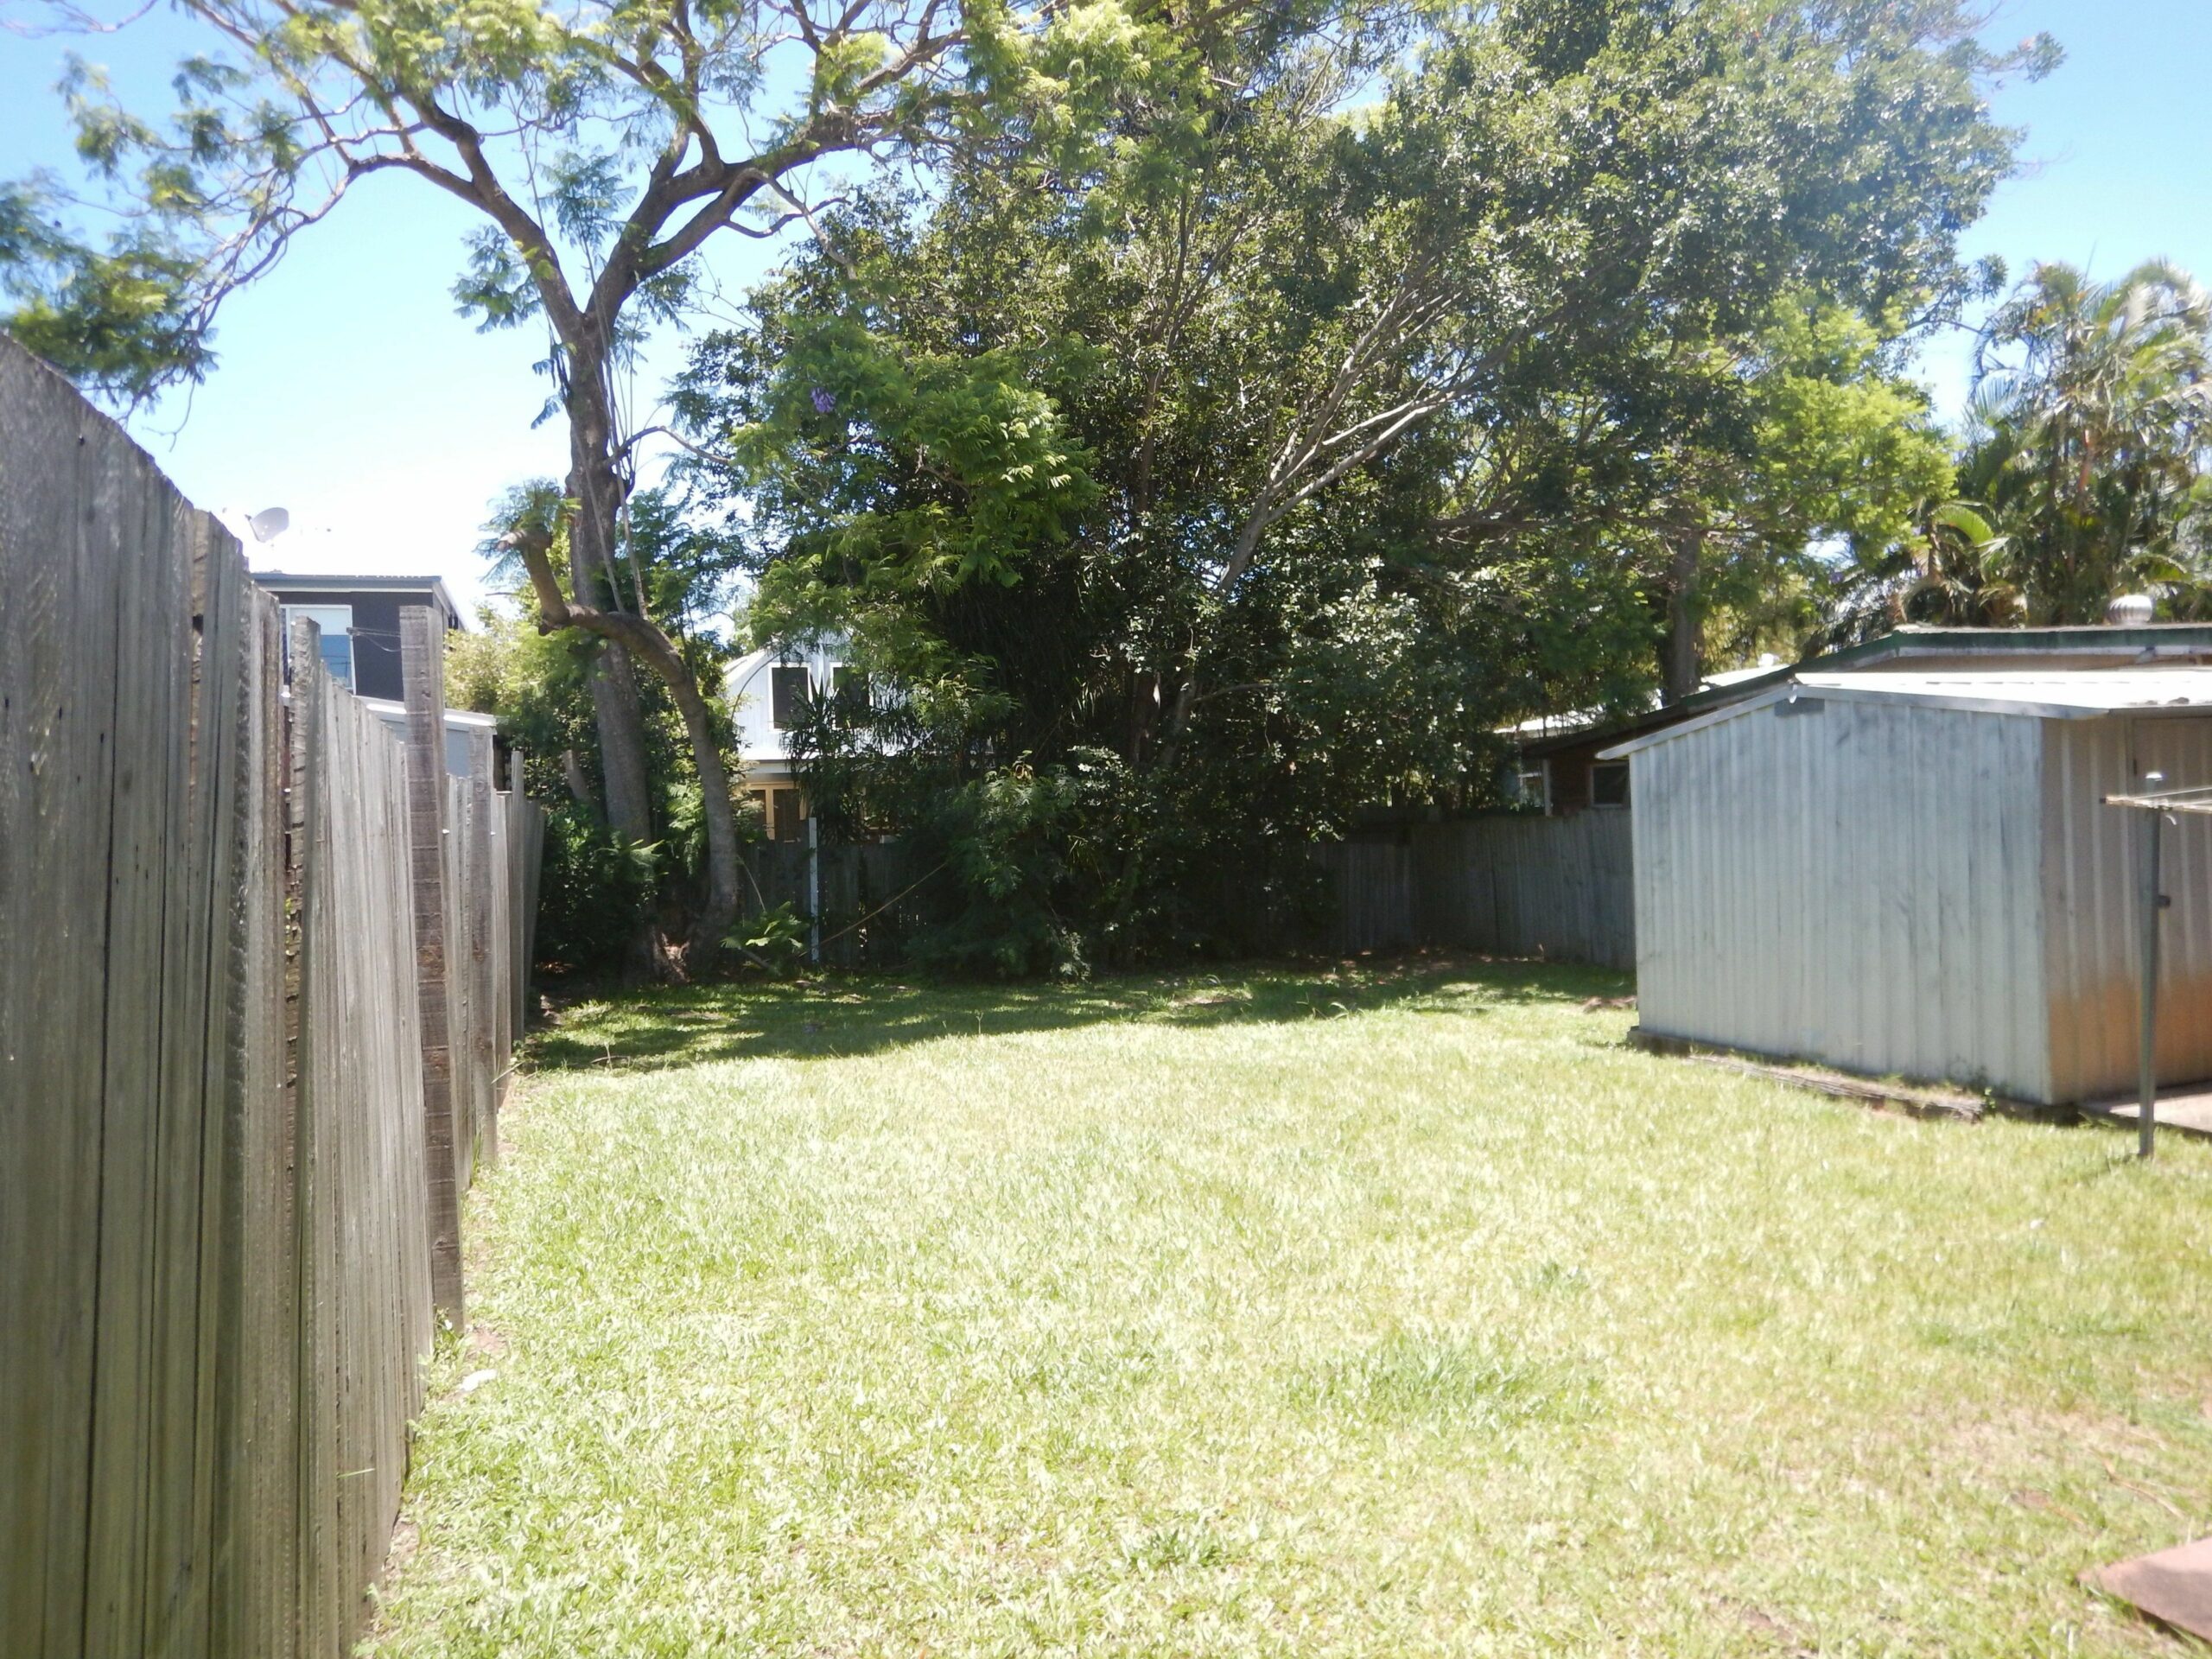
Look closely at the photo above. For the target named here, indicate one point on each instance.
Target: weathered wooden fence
(861, 894)
(1561, 887)
(215, 1237)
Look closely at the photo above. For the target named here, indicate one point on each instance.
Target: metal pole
(2146, 1083)
(813, 889)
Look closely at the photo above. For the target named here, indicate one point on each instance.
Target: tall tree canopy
(1198, 498)
(604, 144)
(2092, 425)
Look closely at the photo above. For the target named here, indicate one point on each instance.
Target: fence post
(421, 657)
(517, 811)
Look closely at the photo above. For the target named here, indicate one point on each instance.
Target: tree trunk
(596, 484)
(1685, 664)
(596, 488)
(579, 785)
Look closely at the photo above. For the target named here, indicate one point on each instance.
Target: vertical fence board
(421, 655)
(57, 725)
(216, 1282)
(151, 689)
(1561, 887)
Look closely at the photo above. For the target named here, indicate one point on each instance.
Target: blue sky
(350, 394)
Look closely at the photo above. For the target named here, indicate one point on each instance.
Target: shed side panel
(1850, 882)
(2090, 883)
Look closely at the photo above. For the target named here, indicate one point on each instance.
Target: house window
(850, 687)
(786, 817)
(1609, 784)
(336, 622)
(787, 694)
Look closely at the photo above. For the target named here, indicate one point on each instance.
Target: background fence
(1522, 886)
(215, 1225)
(1562, 887)
(867, 896)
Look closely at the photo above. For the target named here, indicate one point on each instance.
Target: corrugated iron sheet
(2094, 904)
(1854, 883)
(1897, 887)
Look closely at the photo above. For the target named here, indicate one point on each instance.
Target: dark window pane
(1609, 784)
(787, 814)
(787, 694)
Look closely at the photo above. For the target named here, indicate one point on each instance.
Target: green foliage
(603, 146)
(776, 938)
(2092, 420)
(1003, 477)
(595, 891)
(539, 684)
(119, 321)
(535, 684)
(1831, 493)
(1257, 474)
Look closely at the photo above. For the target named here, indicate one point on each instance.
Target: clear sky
(350, 393)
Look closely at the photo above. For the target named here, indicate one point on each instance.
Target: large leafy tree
(1828, 452)
(605, 145)
(600, 888)
(2092, 422)
(1202, 498)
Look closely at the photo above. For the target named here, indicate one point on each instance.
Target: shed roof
(281, 583)
(2076, 694)
(2069, 649)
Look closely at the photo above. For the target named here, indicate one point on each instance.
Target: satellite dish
(269, 523)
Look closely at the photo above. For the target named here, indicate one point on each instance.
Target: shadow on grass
(841, 1015)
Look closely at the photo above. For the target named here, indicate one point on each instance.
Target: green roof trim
(1913, 639)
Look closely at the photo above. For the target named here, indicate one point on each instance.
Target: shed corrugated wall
(1854, 883)
(2093, 903)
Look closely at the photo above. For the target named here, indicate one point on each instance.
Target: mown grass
(1373, 1313)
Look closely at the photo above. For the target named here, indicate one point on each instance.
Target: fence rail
(215, 1285)
(1562, 887)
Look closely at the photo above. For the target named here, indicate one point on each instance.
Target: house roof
(457, 720)
(291, 582)
(2061, 693)
(2081, 649)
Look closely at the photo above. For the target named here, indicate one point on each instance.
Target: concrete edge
(1912, 1099)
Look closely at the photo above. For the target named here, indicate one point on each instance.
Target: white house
(768, 688)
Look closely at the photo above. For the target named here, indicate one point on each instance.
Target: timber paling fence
(1563, 888)
(867, 897)
(1515, 885)
(261, 969)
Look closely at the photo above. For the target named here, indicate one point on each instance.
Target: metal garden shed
(1915, 874)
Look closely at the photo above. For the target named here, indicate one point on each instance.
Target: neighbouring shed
(1914, 873)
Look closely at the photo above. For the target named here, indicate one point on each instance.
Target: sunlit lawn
(1379, 1313)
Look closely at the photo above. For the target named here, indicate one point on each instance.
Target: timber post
(422, 653)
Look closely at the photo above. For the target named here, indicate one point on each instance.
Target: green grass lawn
(1379, 1313)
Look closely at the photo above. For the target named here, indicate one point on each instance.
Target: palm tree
(2092, 410)
(1951, 571)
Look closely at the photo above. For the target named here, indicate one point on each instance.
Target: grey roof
(2057, 694)
(307, 582)
(2081, 647)
(312, 579)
